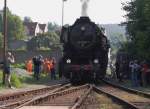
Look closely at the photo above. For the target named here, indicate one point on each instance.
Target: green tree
(1, 40)
(53, 26)
(15, 27)
(138, 26)
(38, 42)
(53, 36)
(44, 41)
(1, 22)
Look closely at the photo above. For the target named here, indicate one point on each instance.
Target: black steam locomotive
(85, 51)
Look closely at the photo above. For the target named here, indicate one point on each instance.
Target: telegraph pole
(5, 37)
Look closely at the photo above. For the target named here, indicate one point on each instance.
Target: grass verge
(16, 80)
(20, 81)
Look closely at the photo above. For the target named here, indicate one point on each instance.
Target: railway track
(107, 96)
(10, 101)
(136, 99)
(66, 98)
(128, 89)
(80, 97)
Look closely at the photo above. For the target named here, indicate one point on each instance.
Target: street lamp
(5, 36)
(63, 12)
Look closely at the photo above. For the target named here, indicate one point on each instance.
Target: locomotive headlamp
(96, 61)
(68, 61)
(82, 28)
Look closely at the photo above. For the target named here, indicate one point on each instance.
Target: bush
(16, 81)
(21, 65)
(1, 75)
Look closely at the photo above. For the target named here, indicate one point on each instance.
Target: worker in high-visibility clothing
(29, 66)
(48, 64)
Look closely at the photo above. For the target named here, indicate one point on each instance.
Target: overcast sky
(100, 11)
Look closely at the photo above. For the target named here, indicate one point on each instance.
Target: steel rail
(135, 97)
(23, 93)
(81, 100)
(131, 106)
(17, 103)
(50, 96)
(144, 94)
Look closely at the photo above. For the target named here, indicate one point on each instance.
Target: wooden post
(5, 36)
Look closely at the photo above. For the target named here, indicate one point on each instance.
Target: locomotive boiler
(85, 51)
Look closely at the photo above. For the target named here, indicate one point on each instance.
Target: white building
(34, 28)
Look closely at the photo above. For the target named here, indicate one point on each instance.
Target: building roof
(31, 27)
(42, 27)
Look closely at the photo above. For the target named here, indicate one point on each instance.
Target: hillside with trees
(116, 35)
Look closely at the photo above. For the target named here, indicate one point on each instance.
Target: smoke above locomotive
(84, 7)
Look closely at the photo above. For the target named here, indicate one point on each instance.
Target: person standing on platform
(29, 66)
(40, 62)
(118, 71)
(145, 70)
(134, 73)
(37, 65)
(7, 68)
(53, 72)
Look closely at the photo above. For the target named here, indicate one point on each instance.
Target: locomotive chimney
(84, 7)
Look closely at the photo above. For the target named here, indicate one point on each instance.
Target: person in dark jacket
(118, 71)
(37, 61)
(53, 72)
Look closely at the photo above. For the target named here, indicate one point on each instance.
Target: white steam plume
(84, 7)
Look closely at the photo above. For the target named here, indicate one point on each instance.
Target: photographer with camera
(7, 68)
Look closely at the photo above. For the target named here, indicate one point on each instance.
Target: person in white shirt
(7, 66)
(134, 73)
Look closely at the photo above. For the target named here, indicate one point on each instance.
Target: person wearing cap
(9, 60)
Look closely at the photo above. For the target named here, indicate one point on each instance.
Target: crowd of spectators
(39, 65)
(35, 66)
(139, 73)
